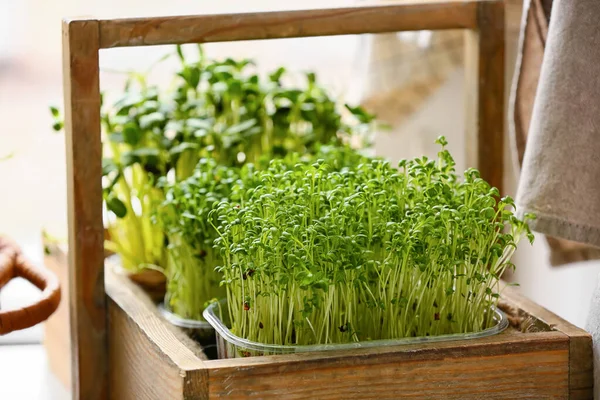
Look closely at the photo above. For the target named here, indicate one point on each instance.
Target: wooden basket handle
(13, 264)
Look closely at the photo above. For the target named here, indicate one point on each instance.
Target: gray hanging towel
(532, 42)
(560, 176)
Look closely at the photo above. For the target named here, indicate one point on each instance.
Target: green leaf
(508, 200)
(116, 137)
(241, 127)
(220, 87)
(276, 76)
(131, 134)
(146, 152)
(189, 216)
(55, 112)
(235, 88)
(488, 213)
(127, 102)
(200, 133)
(191, 75)
(530, 216)
(179, 51)
(360, 113)
(148, 157)
(226, 71)
(256, 130)
(116, 206)
(149, 107)
(155, 119)
(128, 159)
(290, 94)
(180, 148)
(441, 140)
(112, 182)
(197, 123)
(108, 166)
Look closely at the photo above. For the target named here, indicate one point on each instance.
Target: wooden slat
(581, 367)
(484, 68)
(180, 349)
(405, 16)
(518, 366)
(149, 359)
(57, 340)
(84, 154)
(146, 353)
(138, 369)
(581, 359)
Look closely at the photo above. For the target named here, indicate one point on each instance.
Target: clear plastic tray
(200, 331)
(232, 346)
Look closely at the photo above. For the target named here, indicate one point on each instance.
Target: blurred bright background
(359, 69)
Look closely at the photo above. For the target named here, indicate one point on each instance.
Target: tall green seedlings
(187, 217)
(315, 255)
(215, 109)
(191, 276)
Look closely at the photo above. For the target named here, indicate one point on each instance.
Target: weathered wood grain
(138, 369)
(149, 359)
(581, 363)
(484, 69)
(404, 16)
(84, 194)
(506, 366)
(532, 369)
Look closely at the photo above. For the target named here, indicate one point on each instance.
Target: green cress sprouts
(317, 255)
(215, 109)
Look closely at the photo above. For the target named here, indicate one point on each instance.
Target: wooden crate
(122, 349)
(149, 359)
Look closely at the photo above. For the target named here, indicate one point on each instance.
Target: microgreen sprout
(189, 222)
(217, 109)
(315, 255)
